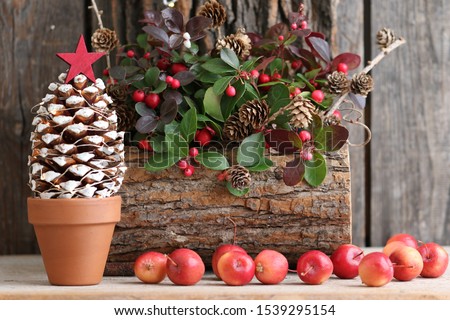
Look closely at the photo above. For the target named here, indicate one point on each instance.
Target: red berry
(105, 72)
(144, 144)
(147, 55)
(304, 135)
(263, 78)
(342, 67)
(337, 114)
(297, 91)
(193, 152)
(296, 64)
(306, 155)
(130, 53)
(203, 137)
(152, 100)
(163, 64)
(189, 171)
(178, 67)
(231, 91)
(175, 84)
(294, 26)
(183, 164)
(318, 96)
(280, 38)
(210, 130)
(138, 96)
(276, 76)
(304, 25)
(254, 74)
(169, 79)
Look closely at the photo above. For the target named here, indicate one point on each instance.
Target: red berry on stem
(304, 135)
(276, 76)
(178, 67)
(337, 114)
(263, 78)
(230, 91)
(175, 84)
(138, 96)
(147, 55)
(297, 91)
(342, 67)
(169, 79)
(183, 164)
(144, 144)
(254, 73)
(193, 152)
(306, 155)
(203, 137)
(304, 25)
(163, 64)
(280, 38)
(189, 171)
(294, 26)
(105, 72)
(318, 96)
(130, 53)
(152, 100)
(296, 64)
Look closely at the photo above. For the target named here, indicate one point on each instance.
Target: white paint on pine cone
(48, 97)
(80, 78)
(100, 84)
(74, 100)
(107, 98)
(101, 124)
(61, 161)
(43, 152)
(36, 167)
(70, 185)
(48, 138)
(55, 108)
(65, 196)
(100, 104)
(85, 113)
(96, 140)
(49, 176)
(84, 156)
(52, 86)
(96, 176)
(65, 88)
(88, 191)
(41, 127)
(42, 110)
(79, 170)
(66, 148)
(62, 120)
(112, 135)
(47, 195)
(76, 128)
(100, 164)
(103, 193)
(113, 118)
(36, 121)
(106, 150)
(62, 77)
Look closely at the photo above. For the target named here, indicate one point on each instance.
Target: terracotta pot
(74, 236)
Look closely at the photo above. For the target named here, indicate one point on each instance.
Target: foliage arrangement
(277, 93)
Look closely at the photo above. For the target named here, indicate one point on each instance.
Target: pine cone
(76, 149)
(239, 177)
(117, 92)
(234, 129)
(301, 111)
(337, 83)
(126, 117)
(215, 11)
(254, 113)
(385, 37)
(239, 42)
(104, 40)
(362, 83)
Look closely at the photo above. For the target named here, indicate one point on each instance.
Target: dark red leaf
(173, 19)
(152, 17)
(294, 17)
(169, 110)
(293, 172)
(265, 63)
(333, 137)
(146, 124)
(175, 40)
(196, 26)
(173, 94)
(185, 77)
(308, 59)
(157, 33)
(280, 141)
(276, 30)
(301, 32)
(254, 37)
(350, 59)
(320, 47)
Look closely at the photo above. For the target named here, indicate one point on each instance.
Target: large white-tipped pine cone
(76, 151)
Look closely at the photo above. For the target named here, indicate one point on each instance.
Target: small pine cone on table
(77, 151)
(104, 40)
(214, 10)
(337, 83)
(254, 113)
(234, 129)
(385, 37)
(239, 177)
(301, 112)
(362, 84)
(239, 42)
(126, 117)
(117, 92)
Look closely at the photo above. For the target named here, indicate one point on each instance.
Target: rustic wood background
(400, 182)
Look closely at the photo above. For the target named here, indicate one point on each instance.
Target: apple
(220, 251)
(271, 267)
(392, 246)
(236, 268)
(406, 238)
(185, 267)
(435, 260)
(346, 259)
(408, 263)
(314, 267)
(375, 269)
(150, 267)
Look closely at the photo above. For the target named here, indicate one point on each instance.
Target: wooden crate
(164, 211)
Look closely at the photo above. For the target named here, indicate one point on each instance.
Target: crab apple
(130, 53)
(375, 269)
(236, 268)
(263, 78)
(435, 260)
(178, 67)
(105, 72)
(304, 135)
(152, 100)
(150, 267)
(146, 56)
(346, 259)
(318, 96)
(294, 26)
(407, 262)
(230, 91)
(296, 64)
(254, 73)
(271, 267)
(169, 79)
(276, 76)
(392, 246)
(183, 164)
(306, 155)
(406, 238)
(185, 267)
(193, 152)
(337, 114)
(280, 38)
(163, 64)
(314, 267)
(219, 252)
(138, 96)
(203, 137)
(342, 67)
(189, 171)
(296, 91)
(144, 144)
(175, 84)
(304, 25)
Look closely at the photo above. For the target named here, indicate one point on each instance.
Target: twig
(383, 53)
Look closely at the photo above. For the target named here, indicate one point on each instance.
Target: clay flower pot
(74, 236)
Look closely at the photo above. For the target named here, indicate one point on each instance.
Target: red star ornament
(81, 61)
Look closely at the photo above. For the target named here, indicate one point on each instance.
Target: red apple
(408, 263)
(435, 260)
(271, 267)
(220, 251)
(406, 238)
(185, 267)
(392, 246)
(346, 259)
(375, 269)
(150, 267)
(314, 267)
(236, 268)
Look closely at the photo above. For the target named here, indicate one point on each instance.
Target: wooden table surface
(24, 277)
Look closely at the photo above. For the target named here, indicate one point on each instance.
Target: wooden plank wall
(401, 181)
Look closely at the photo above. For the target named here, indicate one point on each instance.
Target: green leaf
(218, 66)
(263, 165)
(188, 125)
(276, 65)
(236, 192)
(151, 77)
(249, 64)
(160, 161)
(277, 93)
(221, 85)
(229, 57)
(331, 138)
(306, 81)
(312, 74)
(250, 90)
(211, 103)
(315, 170)
(177, 145)
(213, 160)
(173, 127)
(251, 150)
(141, 40)
(191, 103)
(157, 143)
